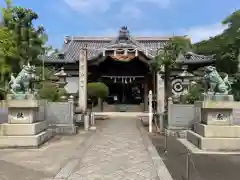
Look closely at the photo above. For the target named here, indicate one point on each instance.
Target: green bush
(236, 87)
(194, 94)
(2, 94)
(97, 90)
(50, 92)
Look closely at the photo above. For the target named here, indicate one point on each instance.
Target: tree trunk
(167, 91)
(101, 105)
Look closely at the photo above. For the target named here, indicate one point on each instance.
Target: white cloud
(204, 32)
(160, 3)
(129, 12)
(196, 33)
(89, 6)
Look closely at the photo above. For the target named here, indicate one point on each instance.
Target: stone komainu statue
(21, 83)
(214, 82)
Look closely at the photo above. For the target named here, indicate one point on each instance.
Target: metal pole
(165, 141)
(150, 110)
(187, 165)
(43, 72)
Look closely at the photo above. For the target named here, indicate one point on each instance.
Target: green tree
(7, 51)
(97, 90)
(167, 58)
(30, 41)
(48, 88)
(225, 46)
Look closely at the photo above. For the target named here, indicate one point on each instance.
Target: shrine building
(122, 63)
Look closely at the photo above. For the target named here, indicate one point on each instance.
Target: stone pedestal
(215, 130)
(216, 110)
(23, 129)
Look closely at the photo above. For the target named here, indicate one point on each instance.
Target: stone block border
(162, 171)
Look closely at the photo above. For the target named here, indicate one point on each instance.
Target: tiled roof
(96, 45)
(191, 58)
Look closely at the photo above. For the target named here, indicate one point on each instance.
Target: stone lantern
(62, 82)
(187, 77)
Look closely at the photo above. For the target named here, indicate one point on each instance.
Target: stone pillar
(92, 122)
(82, 94)
(145, 95)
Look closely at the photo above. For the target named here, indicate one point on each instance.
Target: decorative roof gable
(124, 40)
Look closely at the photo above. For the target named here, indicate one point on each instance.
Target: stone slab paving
(118, 153)
(43, 163)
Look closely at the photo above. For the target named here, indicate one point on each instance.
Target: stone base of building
(216, 131)
(215, 139)
(64, 129)
(23, 129)
(25, 141)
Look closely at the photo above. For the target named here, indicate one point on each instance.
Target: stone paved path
(118, 153)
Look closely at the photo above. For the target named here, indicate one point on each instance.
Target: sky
(199, 19)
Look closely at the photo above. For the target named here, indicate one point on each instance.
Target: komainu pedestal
(216, 109)
(24, 128)
(215, 130)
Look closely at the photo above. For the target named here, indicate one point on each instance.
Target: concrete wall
(236, 116)
(59, 115)
(181, 116)
(59, 112)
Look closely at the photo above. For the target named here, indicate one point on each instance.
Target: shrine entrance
(128, 81)
(124, 89)
(123, 65)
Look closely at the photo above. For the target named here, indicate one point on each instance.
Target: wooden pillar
(82, 96)
(145, 94)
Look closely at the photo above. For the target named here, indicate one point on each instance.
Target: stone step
(213, 144)
(23, 129)
(215, 131)
(25, 141)
(121, 114)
